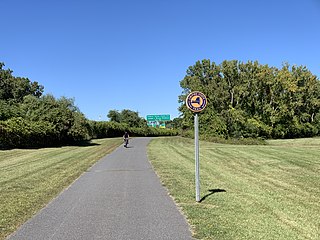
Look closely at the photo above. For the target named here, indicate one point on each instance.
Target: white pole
(196, 141)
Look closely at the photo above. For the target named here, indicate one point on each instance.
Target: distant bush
(101, 129)
(152, 132)
(220, 139)
(18, 132)
(113, 129)
(187, 133)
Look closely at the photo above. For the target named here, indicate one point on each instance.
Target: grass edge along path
(30, 178)
(248, 192)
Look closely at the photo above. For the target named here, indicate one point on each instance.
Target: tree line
(253, 100)
(30, 118)
(245, 100)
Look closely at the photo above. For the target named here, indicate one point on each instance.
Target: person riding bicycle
(126, 139)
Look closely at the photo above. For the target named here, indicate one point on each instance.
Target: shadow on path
(129, 147)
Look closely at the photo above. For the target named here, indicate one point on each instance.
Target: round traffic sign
(196, 101)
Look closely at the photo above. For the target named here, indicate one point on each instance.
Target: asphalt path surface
(120, 197)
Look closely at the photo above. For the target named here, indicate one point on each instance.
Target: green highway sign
(165, 117)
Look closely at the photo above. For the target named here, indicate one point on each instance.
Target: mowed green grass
(248, 192)
(29, 179)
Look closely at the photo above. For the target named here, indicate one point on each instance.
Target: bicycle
(126, 142)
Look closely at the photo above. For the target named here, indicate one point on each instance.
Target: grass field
(248, 192)
(29, 179)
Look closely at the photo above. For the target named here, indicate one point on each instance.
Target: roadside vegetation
(248, 192)
(252, 188)
(251, 100)
(30, 178)
(30, 119)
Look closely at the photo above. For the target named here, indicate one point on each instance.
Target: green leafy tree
(16, 87)
(114, 116)
(28, 118)
(128, 117)
(8, 109)
(69, 123)
(253, 100)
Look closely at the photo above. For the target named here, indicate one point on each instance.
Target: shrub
(18, 132)
(114, 129)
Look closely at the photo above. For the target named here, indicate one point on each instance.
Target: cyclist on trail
(126, 139)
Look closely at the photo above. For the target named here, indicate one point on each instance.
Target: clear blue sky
(126, 54)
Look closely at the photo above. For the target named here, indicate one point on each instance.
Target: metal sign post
(196, 144)
(196, 102)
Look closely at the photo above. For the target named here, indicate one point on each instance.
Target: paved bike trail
(120, 197)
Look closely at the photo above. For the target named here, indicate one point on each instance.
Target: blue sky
(126, 54)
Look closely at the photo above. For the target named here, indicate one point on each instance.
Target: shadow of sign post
(212, 191)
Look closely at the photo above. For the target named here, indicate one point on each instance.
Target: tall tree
(114, 116)
(249, 99)
(131, 118)
(16, 88)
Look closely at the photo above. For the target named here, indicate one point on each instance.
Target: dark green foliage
(8, 109)
(253, 100)
(18, 132)
(80, 128)
(176, 123)
(28, 119)
(69, 123)
(128, 117)
(106, 129)
(128, 120)
(114, 116)
(16, 87)
(152, 132)
(113, 129)
(44, 121)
